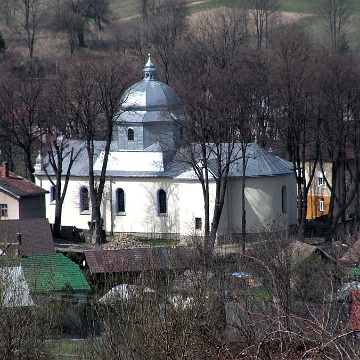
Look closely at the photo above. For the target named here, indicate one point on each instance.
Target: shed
(136, 259)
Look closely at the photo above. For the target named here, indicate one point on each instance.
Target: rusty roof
(36, 236)
(18, 186)
(136, 259)
(352, 256)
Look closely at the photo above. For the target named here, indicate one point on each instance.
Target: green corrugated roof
(53, 272)
(354, 271)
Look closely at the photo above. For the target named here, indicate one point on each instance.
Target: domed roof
(143, 101)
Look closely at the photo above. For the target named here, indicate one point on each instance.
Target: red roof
(18, 186)
(136, 259)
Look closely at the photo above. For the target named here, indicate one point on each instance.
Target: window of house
(130, 134)
(321, 178)
(321, 204)
(198, 223)
(284, 199)
(84, 199)
(3, 210)
(52, 194)
(162, 206)
(120, 201)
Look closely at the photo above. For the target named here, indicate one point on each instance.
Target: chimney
(5, 169)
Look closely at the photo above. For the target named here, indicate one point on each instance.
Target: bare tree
(263, 14)
(29, 18)
(335, 17)
(215, 113)
(165, 30)
(299, 112)
(23, 117)
(339, 84)
(94, 90)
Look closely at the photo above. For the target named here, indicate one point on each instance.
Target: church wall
(140, 206)
(185, 203)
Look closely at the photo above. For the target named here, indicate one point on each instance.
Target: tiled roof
(53, 272)
(18, 186)
(36, 236)
(136, 259)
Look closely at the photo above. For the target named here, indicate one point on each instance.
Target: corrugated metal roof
(53, 272)
(136, 259)
(149, 162)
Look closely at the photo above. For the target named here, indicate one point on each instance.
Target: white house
(149, 191)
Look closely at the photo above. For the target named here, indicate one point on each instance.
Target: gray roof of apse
(259, 163)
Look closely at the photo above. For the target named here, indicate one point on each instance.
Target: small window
(4, 210)
(321, 204)
(52, 194)
(198, 223)
(120, 201)
(130, 134)
(181, 133)
(84, 199)
(162, 208)
(321, 178)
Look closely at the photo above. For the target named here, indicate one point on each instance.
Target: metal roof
(136, 259)
(149, 95)
(53, 272)
(150, 162)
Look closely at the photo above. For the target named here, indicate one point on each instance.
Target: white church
(149, 192)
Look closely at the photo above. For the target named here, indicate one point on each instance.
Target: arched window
(130, 134)
(162, 206)
(120, 201)
(284, 199)
(84, 199)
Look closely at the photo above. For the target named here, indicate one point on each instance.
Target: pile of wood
(123, 241)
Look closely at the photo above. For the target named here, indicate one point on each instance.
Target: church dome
(149, 100)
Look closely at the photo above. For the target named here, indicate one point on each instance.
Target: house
(150, 191)
(19, 197)
(26, 237)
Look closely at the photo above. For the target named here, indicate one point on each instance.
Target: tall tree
(294, 89)
(335, 17)
(29, 17)
(94, 88)
(339, 88)
(264, 17)
(23, 118)
(209, 70)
